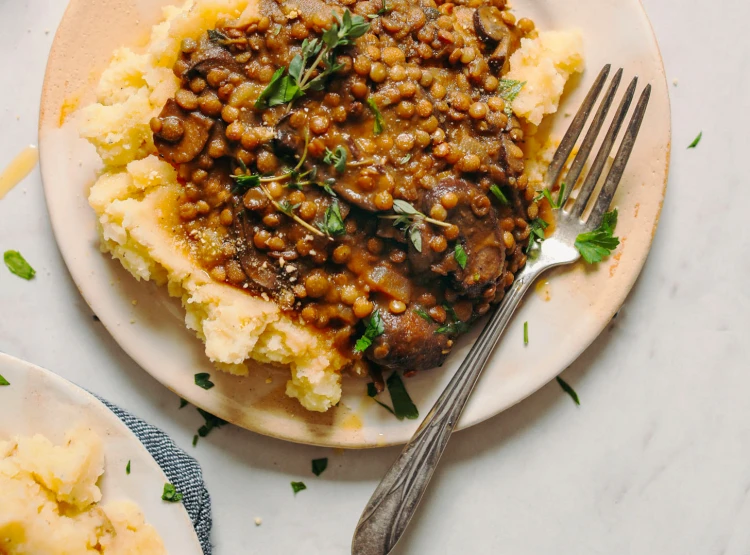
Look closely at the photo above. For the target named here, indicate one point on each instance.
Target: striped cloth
(183, 471)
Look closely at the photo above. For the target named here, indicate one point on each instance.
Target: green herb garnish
(569, 390)
(373, 328)
(318, 55)
(3, 381)
(408, 219)
(319, 466)
(595, 245)
(379, 124)
(203, 380)
(495, 190)
(405, 159)
(460, 255)
(127, 469)
(554, 204)
(422, 313)
(508, 91)
(333, 224)
(17, 265)
(525, 333)
(211, 422)
(195, 440)
(243, 183)
(298, 487)
(696, 140)
(454, 326)
(336, 158)
(382, 11)
(372, 392)
(215, 35)
(171, 494)
(403, 406)
(536, 236)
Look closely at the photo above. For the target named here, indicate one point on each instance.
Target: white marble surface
(655, 460)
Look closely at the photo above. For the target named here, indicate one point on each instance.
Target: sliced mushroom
(212, 56)
(256, 265)
(288, 142)
(196, 129)
(489, 24)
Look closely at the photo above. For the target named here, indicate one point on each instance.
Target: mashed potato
(135, 199)
(49, 496)
(544, 64)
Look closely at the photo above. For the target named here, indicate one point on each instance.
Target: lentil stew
(358, 163)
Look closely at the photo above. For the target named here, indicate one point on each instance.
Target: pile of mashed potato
(49, 496)
(135, 197)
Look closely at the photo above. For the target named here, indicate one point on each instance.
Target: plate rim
(310, 439)
(111, 420)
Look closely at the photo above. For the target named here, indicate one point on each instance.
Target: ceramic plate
(39, 402)
(564, 316)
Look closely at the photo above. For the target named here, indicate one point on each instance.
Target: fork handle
(395, 500)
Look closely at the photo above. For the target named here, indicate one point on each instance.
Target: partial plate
(564, 316)
(39, 402)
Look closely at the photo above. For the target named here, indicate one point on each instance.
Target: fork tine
(574, 131)
(601, 158)
(621, 160)
(588, 143)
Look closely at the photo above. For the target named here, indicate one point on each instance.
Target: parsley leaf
(696, 140)
(460, 255)
(569, 390)
(537, 225)
(525, 333)
(379, 124)
(195, 440)
(382, 11)
(211, 423)
(280, 90)
(171, 494)
(127, 469)
(319, 466)
(298, 487)
(333, 223)
(203, 380)
(336, 158)
(595, 245)
(555, 204)
(215, 35)
(403, 406)
(405, 159)
(372, 392)
(17, 265)
(374, 328)
(495, 190)
(455, 326)
(422, 313)
(3, 381)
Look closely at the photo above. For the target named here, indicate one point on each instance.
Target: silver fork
(395, 500)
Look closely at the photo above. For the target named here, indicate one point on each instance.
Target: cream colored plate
(582, 300)
(39, 402)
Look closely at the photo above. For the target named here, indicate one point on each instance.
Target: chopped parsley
(460, 255)
(214, 35)
(508, 91)
(333, 223)
(382, 11)
(696, 140)
(195, 440)
(403, 406)
(379, 124)
(374, 328)
(298, 487)
(17, 265)
(171, 494)
(127, 469)
(319, 466)
(569, 390)
(318, 55)
(555, 204)
(455, 326)
(245, 182)
(525, 333)
(405, 159)
(422, 313)
(495, 190)
(203, 380)
(409, 219)
(595, 245)
(211, 422)
(3, 381)
(336, 158)
(537, 225)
